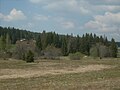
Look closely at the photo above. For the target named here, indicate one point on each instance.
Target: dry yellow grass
(27, 73)
(88, 74)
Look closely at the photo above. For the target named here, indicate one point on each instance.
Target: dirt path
(27, 73)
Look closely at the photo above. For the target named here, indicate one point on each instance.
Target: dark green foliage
(5, 46)
(2, 43)
(5, 42)
(72, 45)
(85, 44)
(101, 40)
(29, 57)
(39, 43)
(17, 34)
(113, 48)
(118, 43)
(67, 43)
(64, 47)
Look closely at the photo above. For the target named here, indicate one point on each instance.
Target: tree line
(16, 34)
(88, 44)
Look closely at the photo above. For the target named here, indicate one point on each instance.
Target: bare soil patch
(27, 73)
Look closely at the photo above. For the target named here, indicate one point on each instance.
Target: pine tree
(44, 39)
(113, 48)
(78, 43)
(101, 40)
(56, 40)
(106, 41)
(64, 47)
(39, 43)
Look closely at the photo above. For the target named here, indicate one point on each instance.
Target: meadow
(64, 74)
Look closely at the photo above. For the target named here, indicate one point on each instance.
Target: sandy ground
(27, 73)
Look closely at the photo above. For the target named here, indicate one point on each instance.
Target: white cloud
(64, 23)
(35, 1)
(13, 16)
(107, 23)
(108, 18)
(104, 1)
(42, 1)
(41, 17)
(79, 6)
(112, 1)
(104, 8)
(67, 6)
(63, 5)
(68, 25)
(110, 7)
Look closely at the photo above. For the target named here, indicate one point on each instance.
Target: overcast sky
(63, 16)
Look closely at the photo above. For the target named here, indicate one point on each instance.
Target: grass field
(86, 74)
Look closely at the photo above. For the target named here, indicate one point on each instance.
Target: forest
(21, 44)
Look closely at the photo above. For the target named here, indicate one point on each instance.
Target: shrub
(29, 56)
(52, 52)
(94, 52)
(100, 51)
(24, 57)
(76, 56)
(5, 55)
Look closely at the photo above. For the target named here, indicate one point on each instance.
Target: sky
(63, 16)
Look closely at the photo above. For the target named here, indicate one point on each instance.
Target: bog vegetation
(26, 45)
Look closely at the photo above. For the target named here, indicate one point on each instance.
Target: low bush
(76, 56)
(29, 57)
(5, 55)
(52, 52)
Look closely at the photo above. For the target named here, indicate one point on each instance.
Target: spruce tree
(64, 47)
(29, 57)
(39, 43)
(78, 43)
(113, 48)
